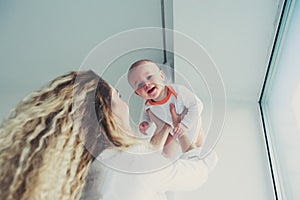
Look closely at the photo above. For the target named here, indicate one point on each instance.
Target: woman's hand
(176, 118)
(180, 130)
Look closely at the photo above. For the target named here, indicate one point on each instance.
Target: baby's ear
(162, 75)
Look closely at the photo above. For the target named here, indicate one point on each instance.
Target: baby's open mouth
(151, 90)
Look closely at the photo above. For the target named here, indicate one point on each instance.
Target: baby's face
(147, 80)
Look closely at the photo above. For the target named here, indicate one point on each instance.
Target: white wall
(282, 108)
(238, 36)
(242, 171)
(43, 39)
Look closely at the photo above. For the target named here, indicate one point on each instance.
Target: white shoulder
(181, 89)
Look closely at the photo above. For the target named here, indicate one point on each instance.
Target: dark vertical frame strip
(163, 23)
(280, 29)
(275, 187)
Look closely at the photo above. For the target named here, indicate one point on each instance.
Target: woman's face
(120, 110)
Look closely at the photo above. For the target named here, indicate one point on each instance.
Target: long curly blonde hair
(50, 139)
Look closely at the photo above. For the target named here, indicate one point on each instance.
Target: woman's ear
(162, 75)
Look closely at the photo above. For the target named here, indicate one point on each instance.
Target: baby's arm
(146, 122)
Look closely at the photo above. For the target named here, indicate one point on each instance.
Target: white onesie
(182, 98)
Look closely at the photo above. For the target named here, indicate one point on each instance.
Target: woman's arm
(161, 133)
(184, 140)
(162, 139)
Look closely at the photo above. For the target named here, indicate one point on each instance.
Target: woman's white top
(139, 173)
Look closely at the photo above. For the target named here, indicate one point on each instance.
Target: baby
(147, 80)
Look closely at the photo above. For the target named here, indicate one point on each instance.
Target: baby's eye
(120, 96)
(149, 77)
(140, 85)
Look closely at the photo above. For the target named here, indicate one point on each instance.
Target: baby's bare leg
(171, 147)
(186, 143)
(200, 138)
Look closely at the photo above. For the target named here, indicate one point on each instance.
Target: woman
(50, 140)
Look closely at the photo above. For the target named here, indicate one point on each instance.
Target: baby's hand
(179, 130)
(144, 127)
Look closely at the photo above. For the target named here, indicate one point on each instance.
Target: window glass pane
(281, 108)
